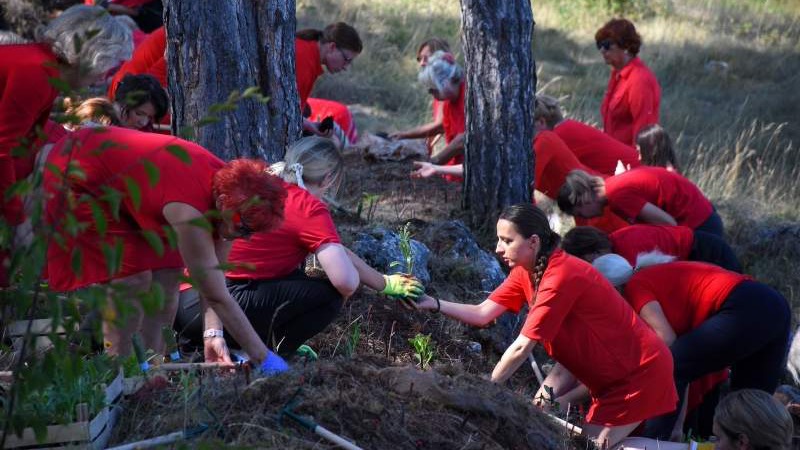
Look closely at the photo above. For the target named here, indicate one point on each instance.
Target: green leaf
(134, 192)
(153, 300)
(60, 85)
(114, 199)
(180, 153)
(153, 174)
(203, 223)
(171, 235)
(208, 120)
(154, 240)
(113, 256)
(99, 217)
(252, 91)
(76, 261)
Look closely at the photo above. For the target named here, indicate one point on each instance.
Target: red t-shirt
(689, 292)
(584, 324)
(321, 108)
(308, 67)
(632, 100)
(629, 191)
(628, 242)
(26, 97)
(54, 132)
(307, 225)
(454, 122)
(594, 148)
(554, 161)
(148, 58)
(117, 158)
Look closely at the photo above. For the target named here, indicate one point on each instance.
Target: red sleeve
(26, 97)
(643, 103)
(624, 200)
(553, 303)
(638, 294)
(318, 229)
(147, 58)
(511, 294)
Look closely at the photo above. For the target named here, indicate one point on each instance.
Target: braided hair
(530, 220)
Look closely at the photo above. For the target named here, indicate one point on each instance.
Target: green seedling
(353, 338)
(370, 203)
(405, 249)
(423, 350)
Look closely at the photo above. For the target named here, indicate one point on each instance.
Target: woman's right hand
(216, 350)
(424, 169)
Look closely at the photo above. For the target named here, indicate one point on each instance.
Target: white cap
(614, 267)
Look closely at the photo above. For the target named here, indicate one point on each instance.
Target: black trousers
(285, 312)
(750, 333)
(713, 225)
(713, 249)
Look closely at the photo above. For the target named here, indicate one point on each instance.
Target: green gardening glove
(403, 286)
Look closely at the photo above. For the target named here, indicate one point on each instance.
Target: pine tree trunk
(501, 84)
(216, 48)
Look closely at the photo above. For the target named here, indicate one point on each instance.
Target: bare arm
(338, 266)
(368, 276)
(479, 315)
(427, 130)
(513, 357)
(202, 256)
(455, 147)
(654, 316)
(655, 215)
(426, 170)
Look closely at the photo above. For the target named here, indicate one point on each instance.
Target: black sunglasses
(242, 229)
(605, 44)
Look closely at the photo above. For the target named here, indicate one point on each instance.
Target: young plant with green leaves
(423, 350)
(406, 250)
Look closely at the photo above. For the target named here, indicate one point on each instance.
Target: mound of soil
(364, 399)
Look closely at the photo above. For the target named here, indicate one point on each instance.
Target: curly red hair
(621, 32)
(250, 190)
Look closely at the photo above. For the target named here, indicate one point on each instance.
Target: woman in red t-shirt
(592, 147)
(633, 97)
(710, 318)
(588, 243)
(582, 322)
(141, 102)
(651, 195)
(285, 306)
(122, 200)
(434, 129)
(655, 148)
(335, 47)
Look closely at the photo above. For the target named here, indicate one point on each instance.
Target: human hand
(273, 364)
(396, 135)
(216, 350)
(424, 169)
(402, 286)
(428, 303)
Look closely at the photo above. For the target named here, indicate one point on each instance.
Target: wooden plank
(38, 326)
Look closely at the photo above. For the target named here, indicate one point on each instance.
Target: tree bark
(216, 48)
(501, 84)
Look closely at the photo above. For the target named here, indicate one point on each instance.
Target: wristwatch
(212, 333)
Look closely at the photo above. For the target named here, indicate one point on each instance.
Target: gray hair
(442, 68)
(11, 38)
(88, 36)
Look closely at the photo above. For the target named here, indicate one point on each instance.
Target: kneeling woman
(581, 321)
(711, 319)
(285, 306)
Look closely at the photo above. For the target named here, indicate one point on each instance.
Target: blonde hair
(442, 68)
(88, 36)
(547, 108)
(310, 160)
(578, 187)
(757, 415)
(97, 109)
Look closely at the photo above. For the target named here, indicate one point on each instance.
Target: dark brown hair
(340, 33)
(136, 90)
(621, 32)
(530, 220)
(581, 241)
(434, 44)
(655, 146)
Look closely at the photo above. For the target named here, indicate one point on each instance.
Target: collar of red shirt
(626, 71)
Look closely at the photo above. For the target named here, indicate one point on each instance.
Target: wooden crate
(93, 433)
(40, 330)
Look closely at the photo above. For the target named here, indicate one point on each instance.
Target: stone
(377, 148)
(380, 248)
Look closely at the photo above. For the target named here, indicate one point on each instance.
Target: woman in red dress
(583, 323)
(633, 97)
(125, 204)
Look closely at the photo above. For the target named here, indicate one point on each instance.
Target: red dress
(307, 225)
(628, 192)
(25, 103)
(632, 100)
(554, 161)
(308, 67)
(628, 242)
(454, 121)
(116, 163)
(596, 149)
(585, 325)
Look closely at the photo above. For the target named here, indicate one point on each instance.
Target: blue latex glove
(273, 364)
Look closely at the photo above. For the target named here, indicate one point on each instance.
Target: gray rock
(452, 239)
(380, 248)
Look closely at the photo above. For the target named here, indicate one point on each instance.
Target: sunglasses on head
(242, 229)
(605, 44)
